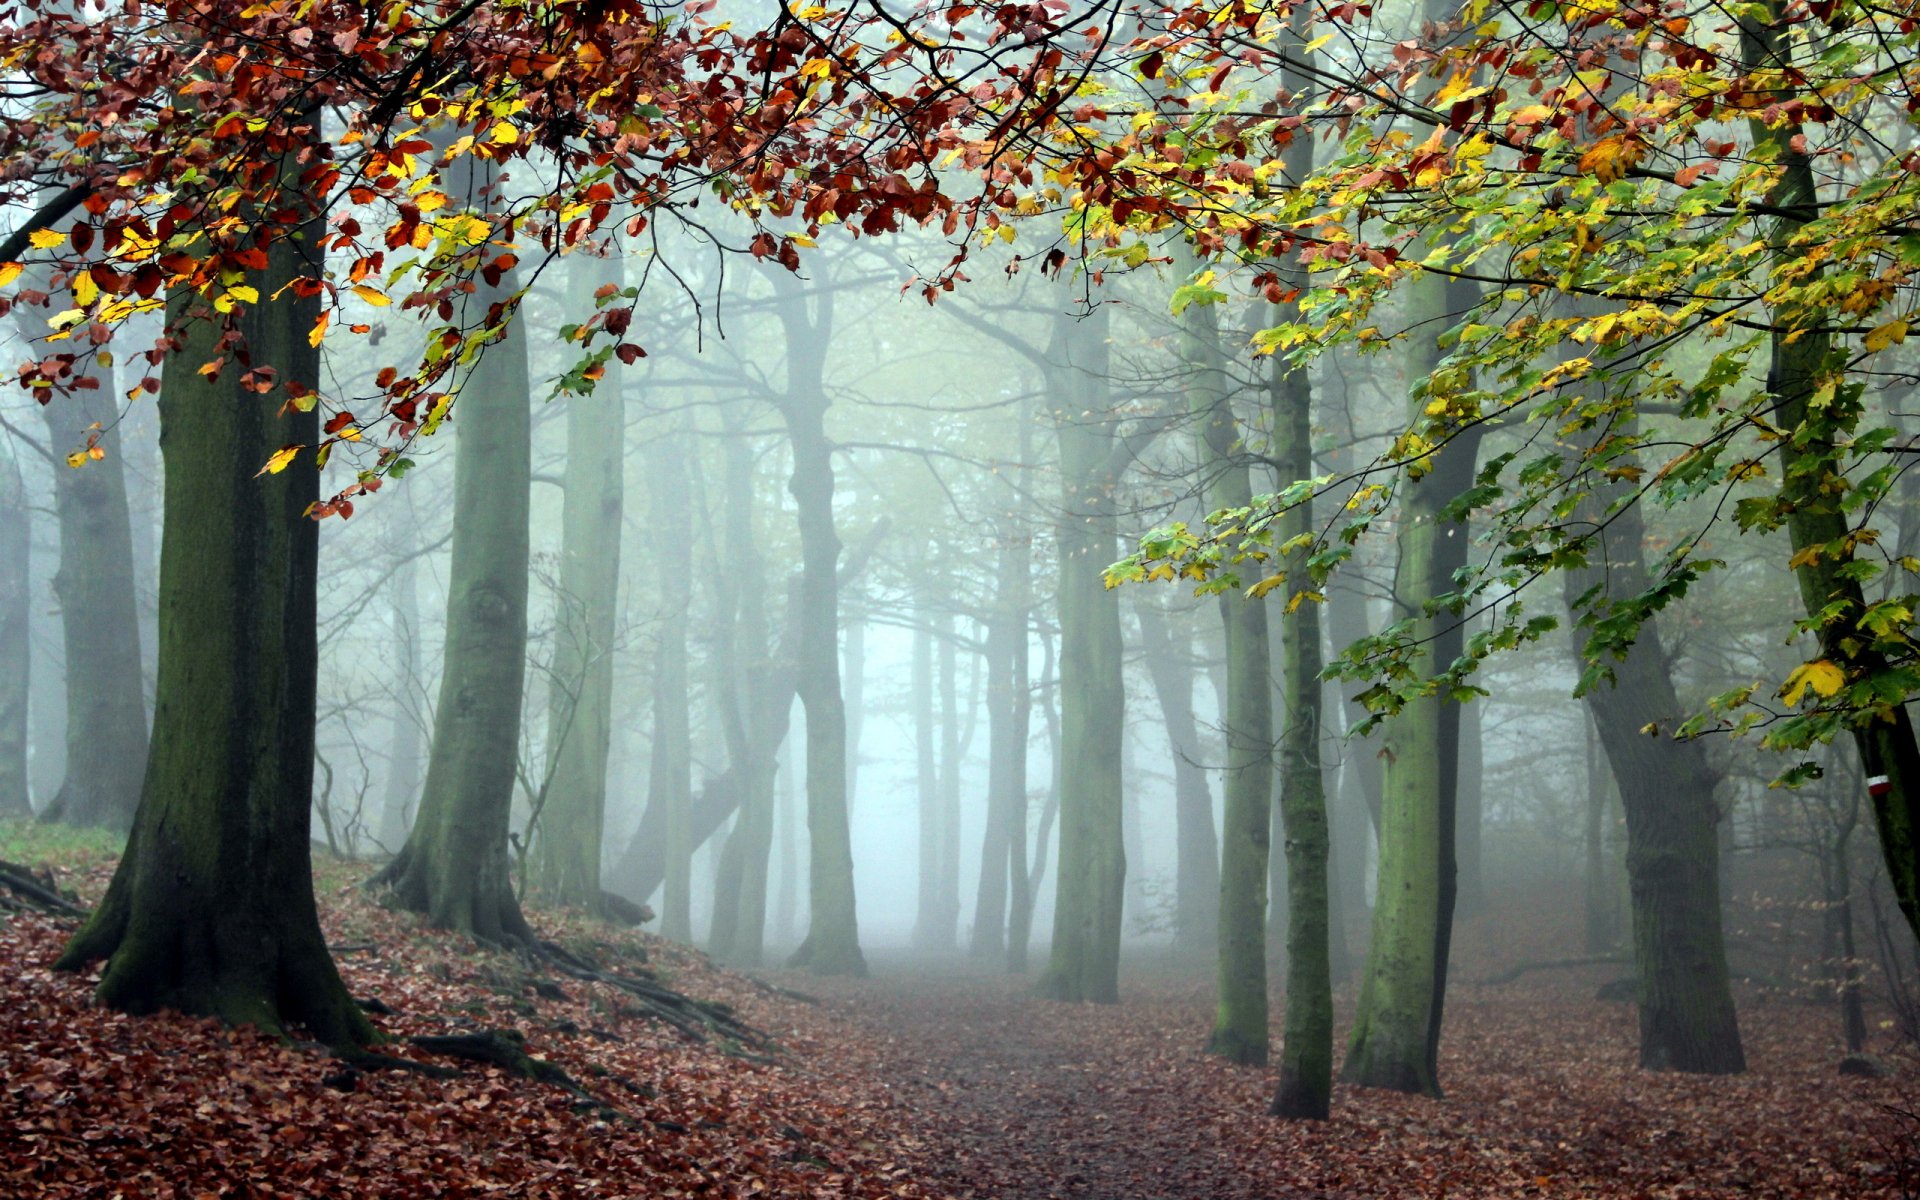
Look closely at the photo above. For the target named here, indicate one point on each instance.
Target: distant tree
(16, 610)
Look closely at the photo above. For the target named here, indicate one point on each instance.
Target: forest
(1113, 599)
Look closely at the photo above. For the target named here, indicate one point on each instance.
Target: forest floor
(920, 1082)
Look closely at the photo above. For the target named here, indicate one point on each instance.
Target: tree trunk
(1602, 914)
(16, 611)
(211, 908)
(926, 931)
(1240, 965)
(952, 723)
(832, 944)
(990, 902)
(454, 867)
(99, 621)
(1396, 1034)
(405, 742)
(1687, 1020)
(1084, 964)
(1305, 1089)
(1170, 667)
(580, 693)
(670, 767)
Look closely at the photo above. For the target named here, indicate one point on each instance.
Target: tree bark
(580, 695)
(670, 767)
(927, 932)
(1084, 964)
(1240, 964)
(211, 908)
(1170, 668)
(99, 621)
(832, 944)
(454, 868)
(1305, 1089)
(405, 743)
(16, 611)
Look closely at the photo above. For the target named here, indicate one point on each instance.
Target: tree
(454, 867)
(670, 766)
(1240, 1018)
(580, 703)
(15, 652)
(211, 908)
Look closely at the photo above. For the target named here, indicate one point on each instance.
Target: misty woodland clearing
(919, 598)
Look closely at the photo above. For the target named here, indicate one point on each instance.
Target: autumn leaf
(46, 239)
(1890, 334)
(280, 460)
(1821, 675)
(1610, 158)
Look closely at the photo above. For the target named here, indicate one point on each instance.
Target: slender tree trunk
(990, 902)
(1305, 1089)
(211, 908)
(832, 944)
(1240, 985)
(952, 725)
(1467, 815)
(580, 695)
(454, 868)
(16, 612)
(404, 743)
(1084, 964)
(1170, 665)
(1804, 359)
(854, 671)
(99, 621)
(670, 769)
(1602, 915)
(926, 925)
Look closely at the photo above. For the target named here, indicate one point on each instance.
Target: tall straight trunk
(1017, 566)
(832, 944)
(1602, 914)
(1084, 964)
(1049, 693)
(927, 933)
(670, 768)
(211, 908)
(1468, 810)
(990, 901)
(16, 612)
(1687, 1020)
(1305, 1089)
(854, 670)
(952, 723)
(454, 868)
(1170, 668)
(755, 681)
(580, 699)
(99, 621)
(404, 742)
(786, 905)
(1395, 1041)
(1240, 965)
(1811, 491)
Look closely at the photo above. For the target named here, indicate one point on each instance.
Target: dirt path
(1039, 1100)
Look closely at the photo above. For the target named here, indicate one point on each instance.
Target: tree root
(695, 1019)
(506, 1049)
(23, 891)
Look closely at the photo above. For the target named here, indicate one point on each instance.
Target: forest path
(1031, 1099)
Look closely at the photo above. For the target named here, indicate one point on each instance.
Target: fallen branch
(1554, 964)
(26, 892)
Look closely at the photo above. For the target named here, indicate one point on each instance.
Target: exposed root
(696, 1019)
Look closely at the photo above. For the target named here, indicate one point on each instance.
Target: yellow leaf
(504, 132)
(1825, 678)
(279, 462)
(1609, 158)
(77, 459)
(1264, 586)
(319, 331)
(1890, 334)
(244, 294)
(372, 295)
(85, 290)
(9, 272)
(46, 239)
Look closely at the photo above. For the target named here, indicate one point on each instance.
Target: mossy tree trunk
(16, 612)
(1396, 1033)
(832, 944)
(1305, 1090)
(1240, 963)
(580, 698)
(99, 621)
(454, 868)
(211, 909)
(1084, 964)
(1812, 497)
